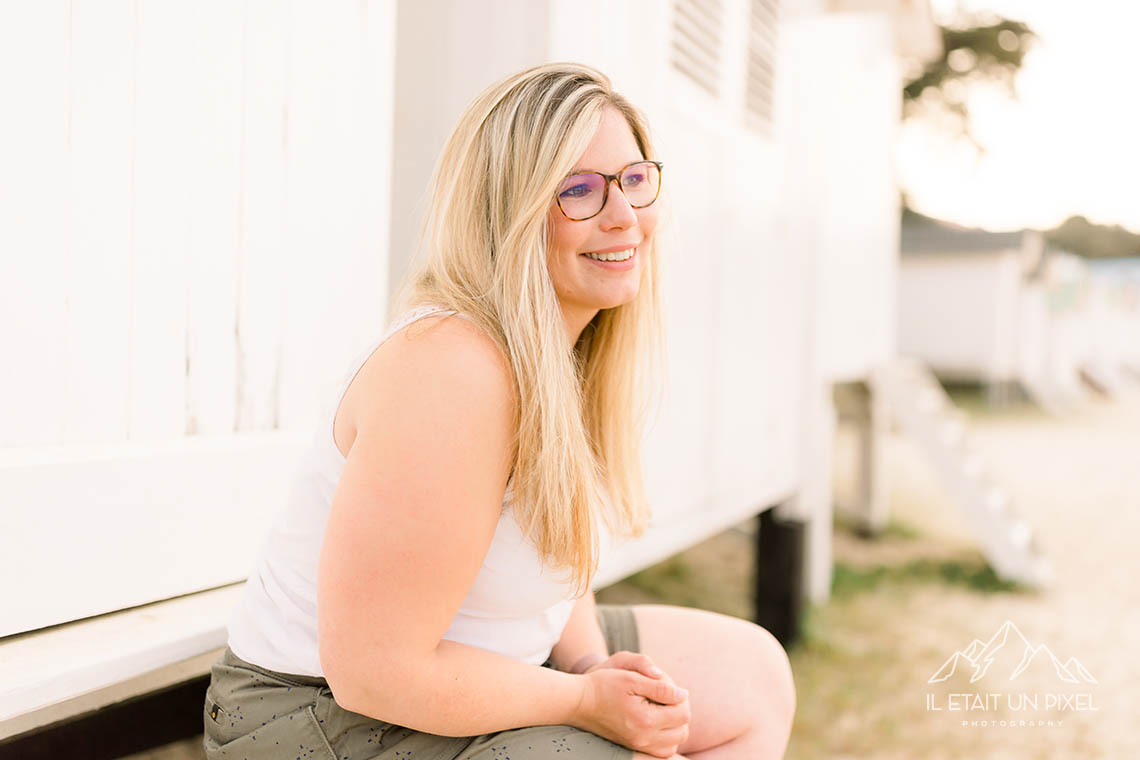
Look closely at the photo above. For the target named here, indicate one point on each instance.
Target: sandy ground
(863, 679)
(1077, 481)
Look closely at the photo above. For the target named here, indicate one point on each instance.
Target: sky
(1069, 145)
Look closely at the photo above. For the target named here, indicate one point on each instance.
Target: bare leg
(738, 676)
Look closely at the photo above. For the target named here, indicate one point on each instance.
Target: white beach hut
(210, 193)
(1008, 310)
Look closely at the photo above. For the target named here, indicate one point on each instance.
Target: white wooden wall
(196, 225)
(837, 220)
(960, 313)
(1113, 312)
(193, 229)
(856, 107)
(726, 443)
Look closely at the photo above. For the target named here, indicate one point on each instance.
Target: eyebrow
(599, 171)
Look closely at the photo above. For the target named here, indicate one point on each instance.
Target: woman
(409, 602)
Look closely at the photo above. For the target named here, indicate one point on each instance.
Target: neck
(576, 321)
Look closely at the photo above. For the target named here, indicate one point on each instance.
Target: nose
(617, 211)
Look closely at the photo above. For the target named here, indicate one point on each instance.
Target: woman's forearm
(581, 637)
(463, 690)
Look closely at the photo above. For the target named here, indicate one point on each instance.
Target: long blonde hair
(482, 250)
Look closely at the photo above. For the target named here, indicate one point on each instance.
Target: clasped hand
(630, 701)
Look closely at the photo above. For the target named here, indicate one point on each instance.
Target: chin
(613, 303)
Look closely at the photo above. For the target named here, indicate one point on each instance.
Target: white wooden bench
(66, 670)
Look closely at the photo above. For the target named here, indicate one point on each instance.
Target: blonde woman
(426, 594)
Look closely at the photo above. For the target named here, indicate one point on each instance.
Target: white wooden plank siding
(34, 225)
(334, 285)
(191, 233)
(213, 98)
(97, 274)
(264, 262)
(680, 458)
(127, 524)
(163, 127)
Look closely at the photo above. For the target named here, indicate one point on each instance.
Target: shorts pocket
(249, 714)
(292, 734)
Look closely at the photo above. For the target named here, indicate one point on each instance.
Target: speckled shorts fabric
(253, 713)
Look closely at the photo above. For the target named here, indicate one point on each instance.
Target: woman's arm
(462, 690)
(411, 520)
(582, 643)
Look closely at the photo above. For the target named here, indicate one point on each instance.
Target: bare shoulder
(447, 338)
(443, 356)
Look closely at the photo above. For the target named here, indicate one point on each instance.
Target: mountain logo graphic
(1016, 655)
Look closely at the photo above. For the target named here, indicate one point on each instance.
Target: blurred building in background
(1008, 310)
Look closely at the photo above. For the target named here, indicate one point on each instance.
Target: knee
(775, 674)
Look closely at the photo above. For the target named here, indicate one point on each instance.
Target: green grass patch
(663, 576)
(971, 573)
(899, 529)
(673, 581)
(974, 400)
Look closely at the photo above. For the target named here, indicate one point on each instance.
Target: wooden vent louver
(763, 16)
(698, 41)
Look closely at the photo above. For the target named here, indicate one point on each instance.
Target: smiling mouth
(615, 256)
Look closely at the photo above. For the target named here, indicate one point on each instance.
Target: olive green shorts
(252, 713)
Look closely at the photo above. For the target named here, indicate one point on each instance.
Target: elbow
(341, 664)
(340, 679)
(348, 672)
(355, 681)
(350, 689)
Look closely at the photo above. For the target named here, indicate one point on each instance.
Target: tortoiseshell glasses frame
(606, 180)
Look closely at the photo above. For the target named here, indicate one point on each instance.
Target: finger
(638, 663)
(646, 666)
(661, 691)
(674, 736)
(671, 716)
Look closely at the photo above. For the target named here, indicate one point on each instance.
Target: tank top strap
(405, 319)
(398, 324)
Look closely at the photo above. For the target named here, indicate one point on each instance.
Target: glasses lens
(641, 183)
(581, 195)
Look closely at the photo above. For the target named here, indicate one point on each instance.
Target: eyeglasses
(581, 196)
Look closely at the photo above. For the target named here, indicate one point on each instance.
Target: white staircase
(923, 411)
(1051, 399)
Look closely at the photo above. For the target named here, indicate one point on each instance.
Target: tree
(1095, 241)
(991, 49)
(977, 49)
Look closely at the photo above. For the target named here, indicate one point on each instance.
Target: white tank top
(514, 608)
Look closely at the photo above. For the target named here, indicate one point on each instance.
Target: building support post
(779, 576)
(872, 507)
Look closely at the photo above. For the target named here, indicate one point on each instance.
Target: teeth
(615, 256)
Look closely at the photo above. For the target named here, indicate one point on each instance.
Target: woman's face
(584, 285)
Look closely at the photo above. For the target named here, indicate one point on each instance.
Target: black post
(779, 576)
